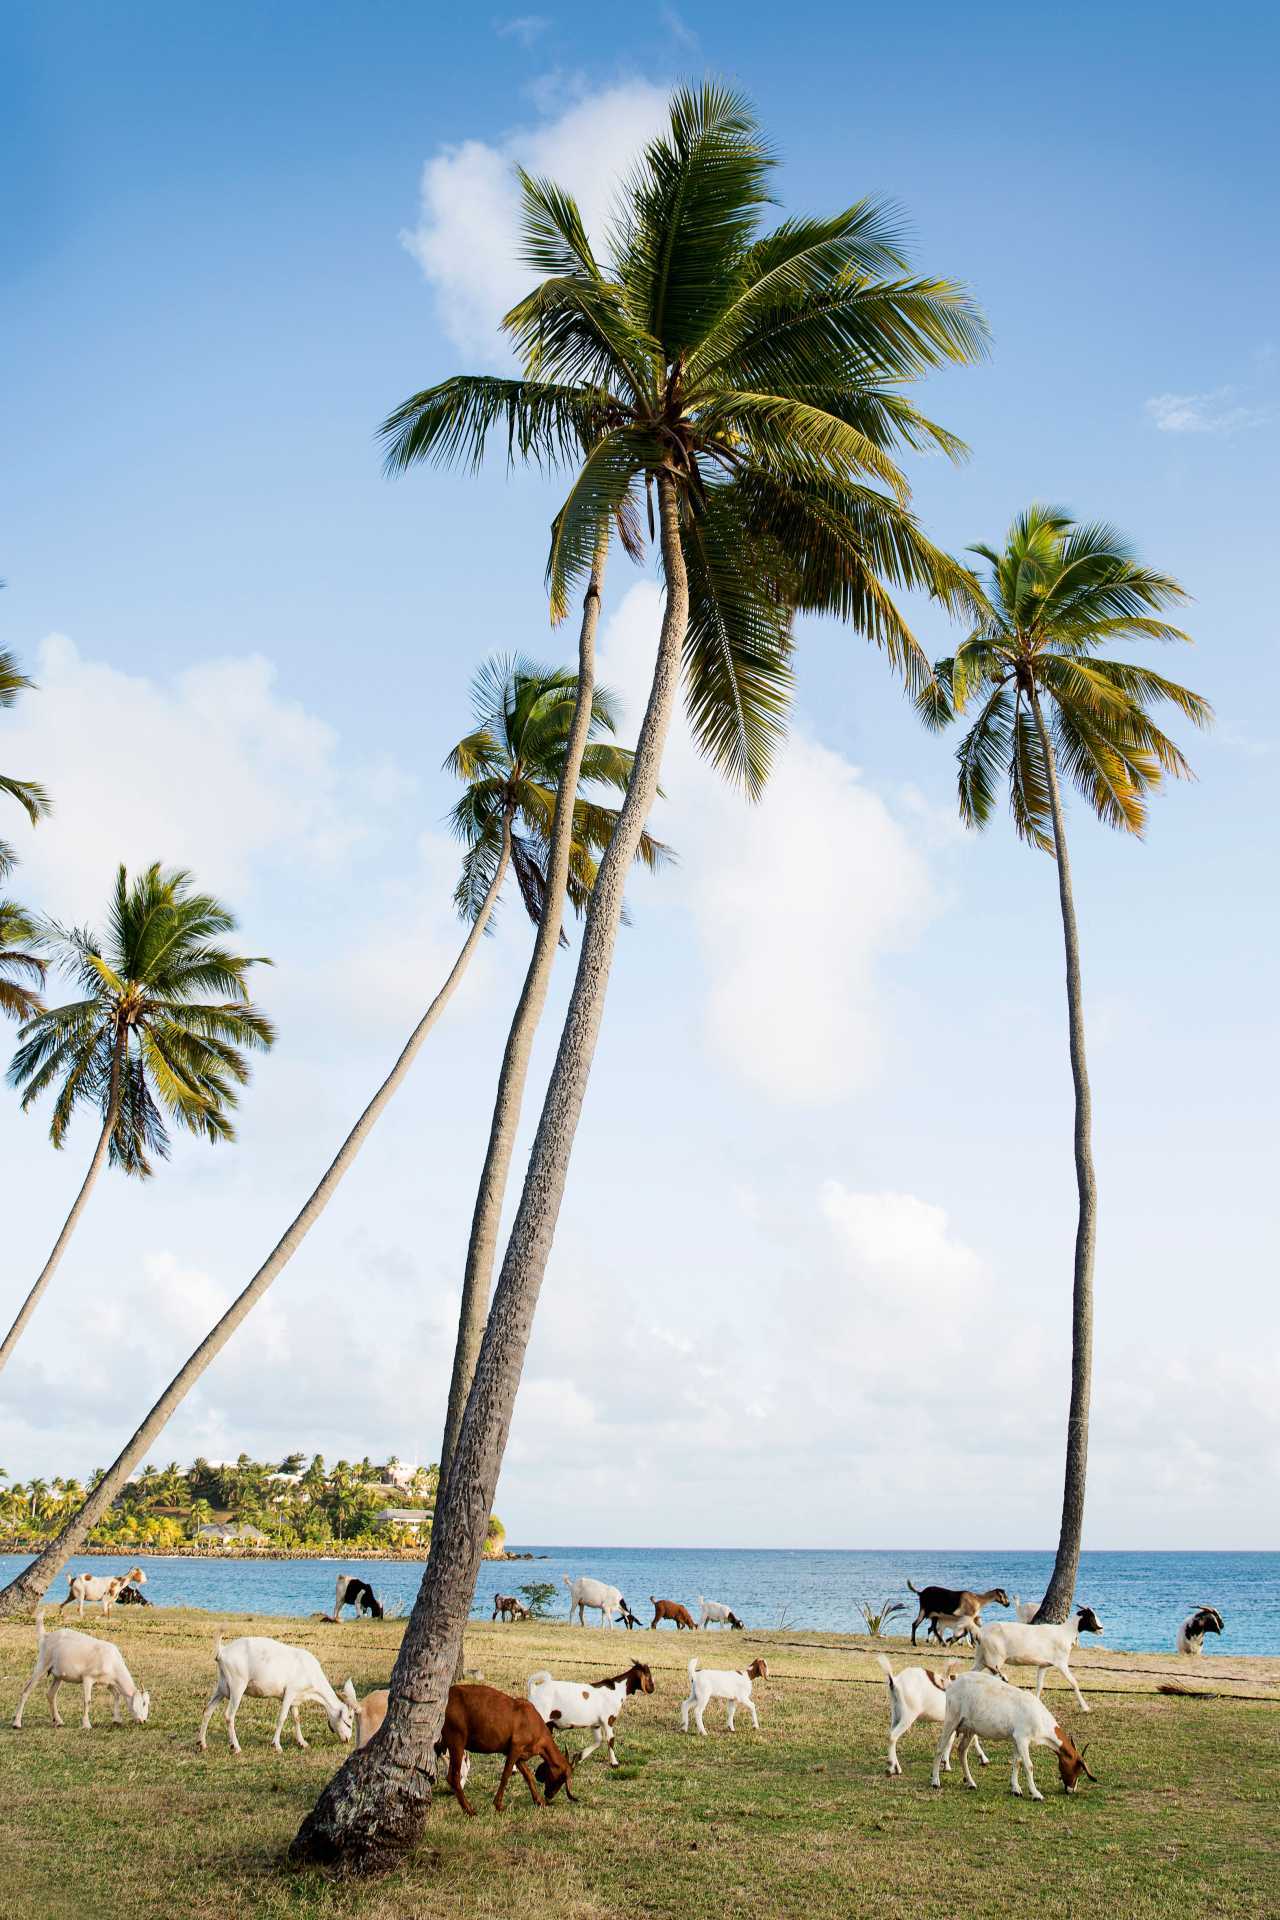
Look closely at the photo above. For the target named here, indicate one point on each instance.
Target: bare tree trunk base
(22, 1596)
(368, 1819)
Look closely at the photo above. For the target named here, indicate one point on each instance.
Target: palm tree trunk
(1060, 1596)
(23, 1592)
(373, 1810)
(482, 1247)
(60, 1245)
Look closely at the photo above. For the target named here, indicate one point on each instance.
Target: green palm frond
(22, 967)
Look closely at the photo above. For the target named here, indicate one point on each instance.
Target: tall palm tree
(161, 1029)
(30, 796)
(22, 969)
(502, 804)
(752, 384)
(1052, 707)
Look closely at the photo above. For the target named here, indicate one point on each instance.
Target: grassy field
(797, 1819)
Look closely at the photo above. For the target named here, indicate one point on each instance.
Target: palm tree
(493, 818)
(1051, 706)
(21, 970)
(752, 383)
(145, 1040)
(516, 760)
(29, 795)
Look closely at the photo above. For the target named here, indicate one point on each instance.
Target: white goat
(1025, 1610)
(981, 1703)
(1192, 1632)
(733, 1686)
(585, 1592)
(715, 1614)
(594, 1705)
(68, 1655)
(1040, 1647)
(916, 1694)
(95, 1587)
(271, 1670)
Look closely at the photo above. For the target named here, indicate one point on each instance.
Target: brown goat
(509, 1607)
(671, 1610)
(482, 1720)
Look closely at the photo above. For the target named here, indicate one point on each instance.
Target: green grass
(798, 1819)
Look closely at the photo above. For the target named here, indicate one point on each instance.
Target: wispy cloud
(524, 27)
(1218, 411)
(679, 29)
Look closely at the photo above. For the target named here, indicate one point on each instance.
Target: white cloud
(524, 27)
(467, 237)
(798, 901)
(1215, 412)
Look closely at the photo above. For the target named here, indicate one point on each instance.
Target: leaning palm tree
(160, 1030)
(746, 388)
(30, 796)
(1051, 707)
(512, 766)
(22, 969)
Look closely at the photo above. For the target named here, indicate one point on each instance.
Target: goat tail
(693, 1668)
(540, 1679)
(914, 1588)
(39, 1625)
(883, 1662)
(568, 1582)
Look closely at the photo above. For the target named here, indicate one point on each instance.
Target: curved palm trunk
(372, 1811)
(1060, 1596)
(482, 1247)
(60, 1245)
(31, 1583)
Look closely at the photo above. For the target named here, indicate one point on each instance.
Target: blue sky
(810, 1285)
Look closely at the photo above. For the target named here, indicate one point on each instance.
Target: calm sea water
(1140, 1597)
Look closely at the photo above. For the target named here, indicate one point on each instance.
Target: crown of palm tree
(762, 371)
(512, 763)
(21, 970)
(1056, 594)
(28, 793)
(146, 1031)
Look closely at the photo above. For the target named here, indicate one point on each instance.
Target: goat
(482, 1720)
(95, 1587)
(1030, 1646)
(593, 1705)
(916, 1694)
(1025, 1610)
(734, 1686)
(271, 1670)
(980, 1703)
(670, 1610)
(606, 1601)
(129, 1596)
(955, 1608)
(68, 1655)
(1192, 1632)
(368, 1715)
(714, 1613)
(509, 1607)
(357, 1594)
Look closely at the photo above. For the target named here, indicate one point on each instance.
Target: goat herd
(981, 1702)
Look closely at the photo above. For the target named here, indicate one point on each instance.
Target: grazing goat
(916, 1694)
(594, 1705)
(95, 1587)
(606, 1601)
(368, 1715)
(1040, 1647)
(708, 1685)
(1025, 1610)
(482, 1720)
(357, 1594)
(1192, 1632)
(509, 1607)
(68, 1655)
(714, 1613)
(980, 1703)
(955, 1608)
(271, 1670)
(670, 1610)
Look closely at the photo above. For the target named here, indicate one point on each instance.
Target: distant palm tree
(22, 969)
(752, 382)
(161, 1029)
(1050, 705)
(28, 793)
